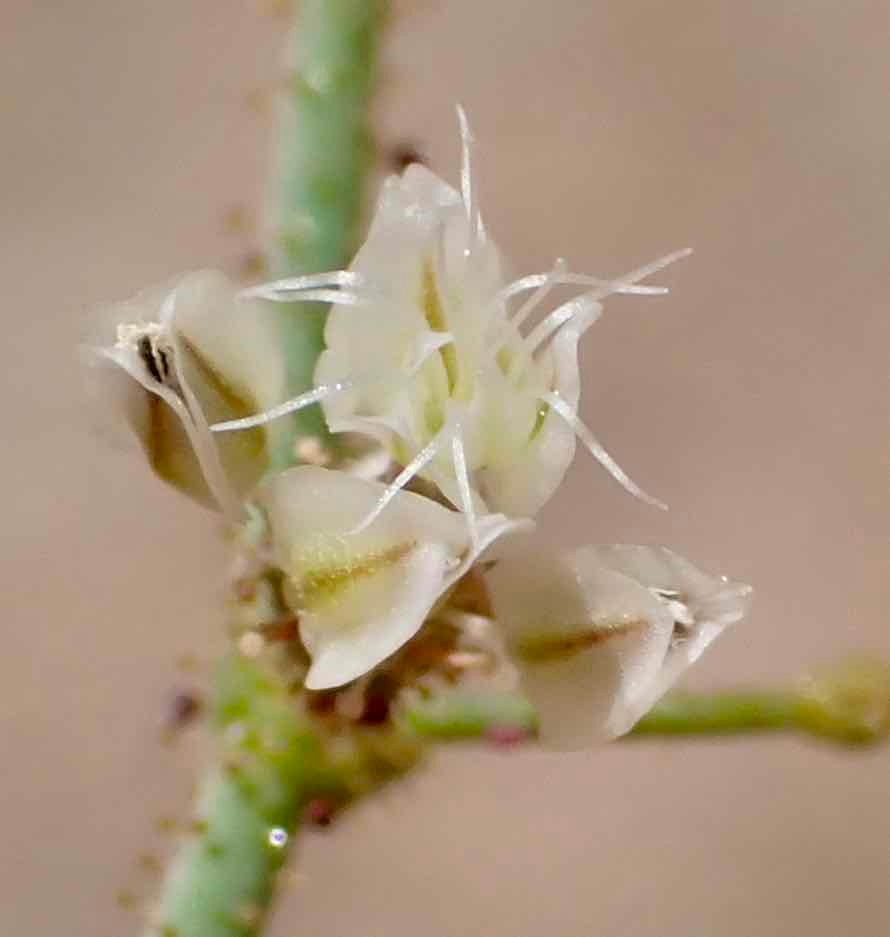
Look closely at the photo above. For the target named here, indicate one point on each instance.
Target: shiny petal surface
(362, 592)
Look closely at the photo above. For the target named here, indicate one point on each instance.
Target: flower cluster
(470, 394)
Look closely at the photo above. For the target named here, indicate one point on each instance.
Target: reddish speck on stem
(319, 812)
(507, 736)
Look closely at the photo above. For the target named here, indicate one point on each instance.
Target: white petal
(223, 362)
(424, 191)
(416, 254)
(360, 595)
(589, 642)
(523, 483)
(703, 605)
(549, 607)
(237, 339)
(366, 622)
(130, 405)
(427, 270)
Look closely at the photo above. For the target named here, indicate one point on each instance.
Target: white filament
(413, 468)
(534, 280)
(428, 344)
(562, 314)
(283, 409)
(466, 173)
(335, 297)
(558, 317)
(339, 278)
(549, 281)
(597, 450)
(543, 283)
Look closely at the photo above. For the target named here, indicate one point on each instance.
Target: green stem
(276, 761)
(461, 716)
(849, 704)
(721, 713)
(223, 877)
(324, 154)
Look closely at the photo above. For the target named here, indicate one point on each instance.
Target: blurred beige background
(754, 399)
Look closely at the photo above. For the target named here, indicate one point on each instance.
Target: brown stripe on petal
(239, 405)
(154, 430)
(243, 453)
(321, 584)
(169, 451)
(561, 645)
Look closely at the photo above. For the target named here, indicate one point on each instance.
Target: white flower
(602, 633)
(361, 594)
(178, 357)
(425, 352)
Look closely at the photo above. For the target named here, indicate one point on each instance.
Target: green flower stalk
(847, 704)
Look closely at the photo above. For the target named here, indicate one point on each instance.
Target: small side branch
(848, 704)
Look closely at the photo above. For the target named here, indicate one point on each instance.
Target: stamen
(339, 278)
(648, 269)
(335, 297)
(466, 171)
(414, 467)
(596, 449)
(542, 283)
(556, 319)
(283, 409)
(526, 309)
(565, 313)
(534, 280)
(428, 345)
(548, 326)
